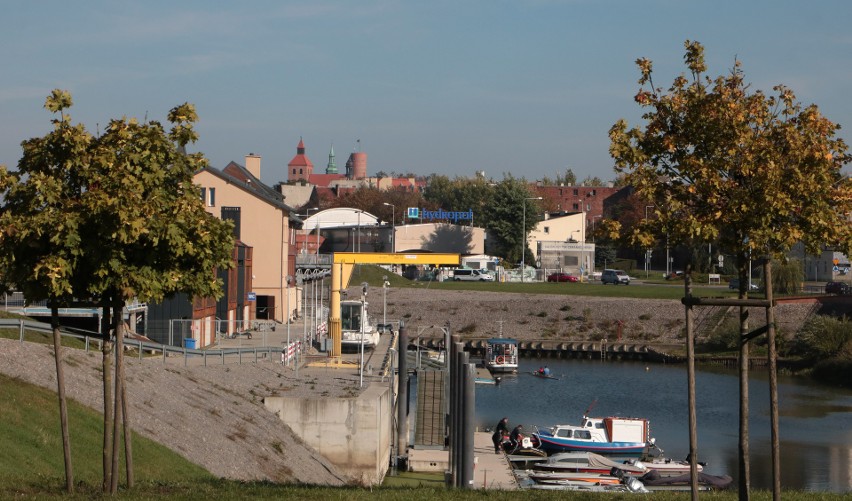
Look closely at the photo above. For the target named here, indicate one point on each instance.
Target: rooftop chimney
(253, 164)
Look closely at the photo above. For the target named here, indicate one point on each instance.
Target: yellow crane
(341, 272)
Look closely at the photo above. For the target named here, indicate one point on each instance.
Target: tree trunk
(773, 382)
(128, 442)
(63, 404)
(744, 469)
(106, 355)
(119, 383)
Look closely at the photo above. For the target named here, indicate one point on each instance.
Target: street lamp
(393, 226)
(385, 284)
(647, 251)
(524, 235)
(287, 319)
(361, 330)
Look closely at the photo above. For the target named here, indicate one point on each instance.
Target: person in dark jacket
(514, 437)
(499, 432)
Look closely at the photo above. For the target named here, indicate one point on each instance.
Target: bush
(824, 337)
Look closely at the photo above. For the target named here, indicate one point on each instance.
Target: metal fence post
(21, 323)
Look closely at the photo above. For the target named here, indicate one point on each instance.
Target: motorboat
(588, 462)
(653, 481)
(356, 329)
(665, 467)
(501, 355)
(619, 436)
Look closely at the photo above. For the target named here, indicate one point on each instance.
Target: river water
(815, 420)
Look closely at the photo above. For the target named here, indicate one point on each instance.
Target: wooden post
(773, 381)
(690, 367)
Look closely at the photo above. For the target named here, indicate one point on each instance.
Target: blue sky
(449, 87)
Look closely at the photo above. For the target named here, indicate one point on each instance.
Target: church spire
(331, 168)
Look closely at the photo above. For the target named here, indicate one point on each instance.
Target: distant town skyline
(528, 87)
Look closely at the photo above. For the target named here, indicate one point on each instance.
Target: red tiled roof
(300, 160)
(323, 180)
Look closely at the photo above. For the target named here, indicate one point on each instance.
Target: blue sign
(455, 216)
(252, 296)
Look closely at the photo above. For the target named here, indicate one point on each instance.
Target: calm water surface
(815, 420)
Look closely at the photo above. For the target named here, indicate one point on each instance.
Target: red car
(562, 277)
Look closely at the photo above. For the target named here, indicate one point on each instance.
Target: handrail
(24, 325)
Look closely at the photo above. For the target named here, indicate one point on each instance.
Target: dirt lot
(576, 318)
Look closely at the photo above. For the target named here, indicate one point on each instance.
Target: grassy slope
(31, 444)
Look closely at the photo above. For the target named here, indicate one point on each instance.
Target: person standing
(515, 436)
(500, 431)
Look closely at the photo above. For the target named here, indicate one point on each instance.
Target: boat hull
(552, 444)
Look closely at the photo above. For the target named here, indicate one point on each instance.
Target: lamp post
(358, 241)
(385, 284)
(524, 235)
(647, 251)
(287, 319)
(393, 226)
(361, 331)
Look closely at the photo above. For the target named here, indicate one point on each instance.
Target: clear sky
(449, 87)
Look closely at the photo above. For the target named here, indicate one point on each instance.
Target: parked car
(615, 277)
(734, 284)
(472, 275)
(839, 288)
(561, 277)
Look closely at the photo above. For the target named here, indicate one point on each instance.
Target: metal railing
(223, 355)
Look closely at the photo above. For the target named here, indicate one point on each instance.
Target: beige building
(559, 244)
(263, 221)
(440, 237)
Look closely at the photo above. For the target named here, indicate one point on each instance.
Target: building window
(204, 195)
(211, 197)
(576, 207)
(547, 229)
(576, 192)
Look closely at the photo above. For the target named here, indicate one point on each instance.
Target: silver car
(615, 277)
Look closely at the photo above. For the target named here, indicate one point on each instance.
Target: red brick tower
(301, 167)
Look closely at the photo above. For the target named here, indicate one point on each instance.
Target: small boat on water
(653, 481)
(573, 476)
(543, 375)
(501, 355)
(665, 467)
(355, 326)
(618, 436)
(587, 462)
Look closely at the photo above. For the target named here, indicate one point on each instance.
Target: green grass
(31, 444)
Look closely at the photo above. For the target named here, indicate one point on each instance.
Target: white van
(472, 276)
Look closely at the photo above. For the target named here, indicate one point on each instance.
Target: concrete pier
(490, 471)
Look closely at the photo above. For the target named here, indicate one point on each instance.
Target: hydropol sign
(455, 216)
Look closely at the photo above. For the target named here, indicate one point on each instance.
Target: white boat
(355, 326)
(501, 355)
(616, 436)
(665, 467)
(588, 462)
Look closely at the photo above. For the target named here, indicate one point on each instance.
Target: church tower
(331, 168)
(301, 167)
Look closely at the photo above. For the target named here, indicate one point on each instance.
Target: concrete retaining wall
(352, 433)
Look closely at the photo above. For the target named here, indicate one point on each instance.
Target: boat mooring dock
(490, 470)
